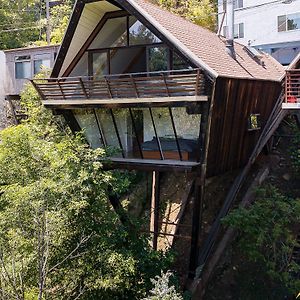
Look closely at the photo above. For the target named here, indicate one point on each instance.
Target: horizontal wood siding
(235, 100)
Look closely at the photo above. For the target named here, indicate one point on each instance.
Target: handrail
(121, 74)
(292, 86)
(171, 83)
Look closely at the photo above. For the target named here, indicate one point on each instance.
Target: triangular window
(122, 32)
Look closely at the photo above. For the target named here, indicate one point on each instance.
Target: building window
(238, 4)
(40, 61)
(288, 22)
(238, 31)
(254, 122)
(22, 67)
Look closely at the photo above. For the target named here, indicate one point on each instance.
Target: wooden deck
(292, 89)
(150, 164)
(125, 102)
(121, 90)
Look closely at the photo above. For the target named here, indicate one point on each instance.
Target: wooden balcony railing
(292, 89)
(122, 86)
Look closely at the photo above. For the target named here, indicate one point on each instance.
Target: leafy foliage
(266, 242)
(59, 236)
(295, 151)
(24, 22)
(162, 290)
(203, 13)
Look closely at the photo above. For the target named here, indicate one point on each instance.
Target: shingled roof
(209, 48)
(203, 47)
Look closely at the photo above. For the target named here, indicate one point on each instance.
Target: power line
(254, 6)
(19, 29)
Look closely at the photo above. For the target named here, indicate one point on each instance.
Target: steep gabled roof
(203, 47)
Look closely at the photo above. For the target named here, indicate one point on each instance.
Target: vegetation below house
(59, 236)
(261, 263)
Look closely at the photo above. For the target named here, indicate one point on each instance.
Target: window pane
(23, 57)
(109, 131)
(81, 69)
(87, 121)
(225, 29)
(135, 61)
(39, 64)
(187, 129)
(179, 63)
(140, 34)
(100, 64)
(158, 59)
(236, 31)
(23, 69)
(293, 22)
(241, 30)
(113, 34)
(281, 23)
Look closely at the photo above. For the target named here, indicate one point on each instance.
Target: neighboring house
(164, 91)
(272, 26)
(19, 65)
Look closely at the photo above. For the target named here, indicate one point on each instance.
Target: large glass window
(81, 69)
(288, 22)
(100, 64)
(158, 59)
(135, 61)
(123, 31)
(113, 34)
(88, 123)
(186, 127)
(23, 67)
(179, 63)
(140, 34)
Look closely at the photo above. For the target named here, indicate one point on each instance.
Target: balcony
(152, 89)
(292, 90)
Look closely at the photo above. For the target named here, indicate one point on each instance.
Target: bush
(266, 242)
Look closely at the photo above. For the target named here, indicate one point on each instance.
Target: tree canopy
(24, 22)
(201, 12)
(59, 236)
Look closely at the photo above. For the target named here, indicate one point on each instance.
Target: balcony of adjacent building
(292, 89)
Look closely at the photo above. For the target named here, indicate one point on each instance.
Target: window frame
(22, 59)
(286, 25)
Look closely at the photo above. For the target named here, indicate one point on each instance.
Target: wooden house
(163, 91)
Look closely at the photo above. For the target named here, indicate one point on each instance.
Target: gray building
(17, 66)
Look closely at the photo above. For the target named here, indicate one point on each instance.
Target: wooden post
(196, 224)
(199, 193)
(154, 225)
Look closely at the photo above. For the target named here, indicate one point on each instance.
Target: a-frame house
(164, 91)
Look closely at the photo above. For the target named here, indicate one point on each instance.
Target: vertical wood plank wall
(235, 99)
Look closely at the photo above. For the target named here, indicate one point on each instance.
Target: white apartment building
(269, 25)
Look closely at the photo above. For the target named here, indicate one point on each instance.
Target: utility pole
(48, 21)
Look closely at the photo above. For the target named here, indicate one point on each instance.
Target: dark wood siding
(235, 100)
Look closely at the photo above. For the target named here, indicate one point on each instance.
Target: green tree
(59, 236)
(19, 23)
(201, 12)
(266, 242)
(163, 288)
(24, 22)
